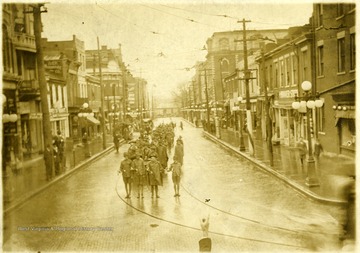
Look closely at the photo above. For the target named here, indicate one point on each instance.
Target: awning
(92, 120)
(348, 114)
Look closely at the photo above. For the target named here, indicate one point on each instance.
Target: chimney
(103, 47)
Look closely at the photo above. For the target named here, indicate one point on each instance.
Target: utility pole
(247, 78)
(207, 103)
(267, 113)
(102, 97)
(124, 92)
(42, 84)
(114, 105)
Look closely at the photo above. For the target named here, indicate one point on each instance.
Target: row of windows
(341, 10)
(284, 72)
(57, 96)
(341, 55)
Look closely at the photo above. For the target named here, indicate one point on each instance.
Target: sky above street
(160, 39)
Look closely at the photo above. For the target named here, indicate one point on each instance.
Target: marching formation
(146, 160)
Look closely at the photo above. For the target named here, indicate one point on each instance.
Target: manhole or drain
(154, 225)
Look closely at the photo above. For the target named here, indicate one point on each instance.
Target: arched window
(224, 44)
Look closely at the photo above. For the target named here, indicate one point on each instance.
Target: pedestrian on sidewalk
(155, 177)
(176, 175)
(125, 169)
(56, 156)
(48, 162)
(301, 145)
(59, 142)
(116, 141)
(140, 175)
(318, 149)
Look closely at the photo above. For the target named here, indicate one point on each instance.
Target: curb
(29, 196)
(299, 188)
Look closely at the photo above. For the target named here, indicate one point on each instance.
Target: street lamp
(83, 114)
(241, 136)
(308, 102)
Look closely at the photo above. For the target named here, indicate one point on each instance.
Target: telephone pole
(102, 97)
(249, 128)
(207, 103)
(267, 112)
(47, 135)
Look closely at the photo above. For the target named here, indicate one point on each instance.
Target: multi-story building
(112, 81)
(225, 50)
(335, 39)
(22, 120)
(56, 67)
(282, 70)
(138, 97)
(68, 57)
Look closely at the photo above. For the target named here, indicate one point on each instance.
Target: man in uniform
(125, 169)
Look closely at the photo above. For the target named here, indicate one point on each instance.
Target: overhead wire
(212, 232)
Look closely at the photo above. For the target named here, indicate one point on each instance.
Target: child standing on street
(176, 175)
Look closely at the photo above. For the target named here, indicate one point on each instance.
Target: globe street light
(83, 114)
(308, 103)
(241, 136)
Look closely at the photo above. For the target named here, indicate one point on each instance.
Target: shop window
(348, 133)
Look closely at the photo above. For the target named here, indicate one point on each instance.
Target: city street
(249, 209)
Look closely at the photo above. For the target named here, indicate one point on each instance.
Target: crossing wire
(197, 229)
(255, 221)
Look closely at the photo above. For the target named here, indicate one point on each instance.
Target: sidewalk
(332, 171)
(31, 178)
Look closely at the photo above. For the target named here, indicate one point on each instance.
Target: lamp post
(308, 102)
(10, 161)
(84, 112)
(241, 136)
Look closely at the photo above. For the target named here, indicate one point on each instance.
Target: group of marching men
(146, 161)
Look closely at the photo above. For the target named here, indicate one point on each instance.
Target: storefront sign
(53, 66)
(288, 93)
(35, 115)
(24, 107)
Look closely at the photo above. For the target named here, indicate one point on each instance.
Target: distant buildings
(73, 80)
(322, 52)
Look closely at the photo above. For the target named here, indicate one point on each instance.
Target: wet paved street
(249, 209)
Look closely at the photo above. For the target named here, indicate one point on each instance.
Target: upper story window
(341, 51)
(287, 69)
(352, 49)
(294, 69)
(282, 73)
(276, 84)
(224, 44)
(305, 63)
(271, 76)
(320, 55)
(319, 15)
(340, 10)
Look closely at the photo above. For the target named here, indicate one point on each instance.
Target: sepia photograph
(178, 126)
